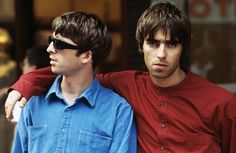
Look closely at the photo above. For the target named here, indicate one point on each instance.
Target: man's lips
(160, 66)
(52, 60)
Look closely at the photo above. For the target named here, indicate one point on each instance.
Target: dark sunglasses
(60, 45)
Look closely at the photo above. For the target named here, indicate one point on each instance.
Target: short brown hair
(87, 31)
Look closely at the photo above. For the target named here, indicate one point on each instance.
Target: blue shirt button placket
(62, 132)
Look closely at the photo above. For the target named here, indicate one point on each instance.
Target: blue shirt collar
(90, 94)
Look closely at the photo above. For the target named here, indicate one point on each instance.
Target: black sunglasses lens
(60, 45)
(57, 44)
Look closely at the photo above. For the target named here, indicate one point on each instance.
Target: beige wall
(106, 9)
(6, 9)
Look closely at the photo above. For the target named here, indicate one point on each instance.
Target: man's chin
(55, 71)
(160, 75)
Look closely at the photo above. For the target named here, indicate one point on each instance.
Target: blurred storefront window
(213, 43)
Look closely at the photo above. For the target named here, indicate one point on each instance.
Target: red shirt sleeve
(228, 127)
(34, 83)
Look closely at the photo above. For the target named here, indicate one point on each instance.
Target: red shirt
(194, 116)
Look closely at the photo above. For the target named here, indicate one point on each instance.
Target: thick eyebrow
(152, 40)
(162, 41)
(172, 42)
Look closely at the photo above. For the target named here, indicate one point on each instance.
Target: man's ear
(87, 56)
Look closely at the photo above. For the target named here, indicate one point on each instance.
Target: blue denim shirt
(99, 121)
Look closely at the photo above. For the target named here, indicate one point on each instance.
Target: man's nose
(50, 48)
(161, 53)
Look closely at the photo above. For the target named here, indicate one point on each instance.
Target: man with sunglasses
(176, 110)
(77, 114)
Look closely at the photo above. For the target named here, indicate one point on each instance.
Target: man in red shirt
(176, 110)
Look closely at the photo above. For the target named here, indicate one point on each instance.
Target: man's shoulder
(110, 94)
(35, 100)
(210, 89)
(112, 97)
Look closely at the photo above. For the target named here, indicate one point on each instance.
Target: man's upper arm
(125, 133)
(34, 83)
(228, 127)
(20, 144)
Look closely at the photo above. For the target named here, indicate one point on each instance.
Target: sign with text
(212, 11)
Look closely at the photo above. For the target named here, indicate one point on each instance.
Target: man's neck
(174, 79)
(74, 85)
